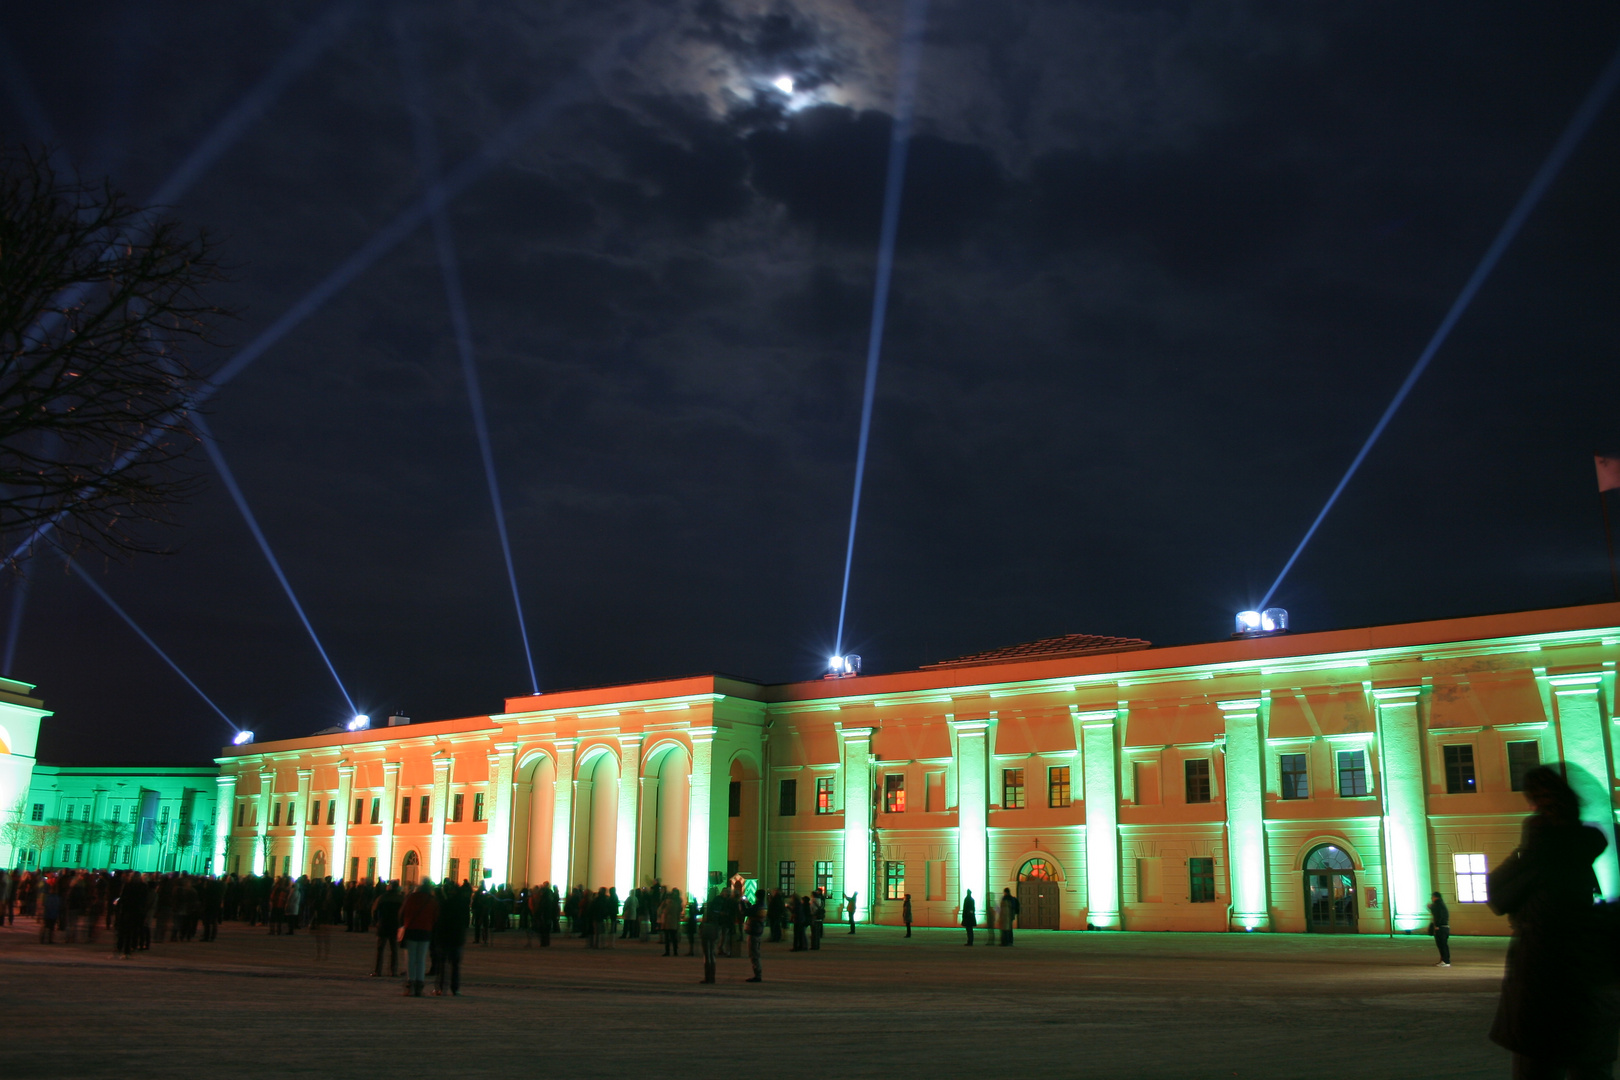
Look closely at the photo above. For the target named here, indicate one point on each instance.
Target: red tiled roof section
(1052, 648)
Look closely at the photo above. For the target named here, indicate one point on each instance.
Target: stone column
(224, 820)
(1406, 810)
(340, 829)
(390, 814)
(301, 823)
(498, 822)
(440, 813)
(562, 816)
(261, 854)
(856, 746)
(624, 851)
(1586, 747)
(700, 813)
(973, 810)
(1102, 817)
(1245, 814)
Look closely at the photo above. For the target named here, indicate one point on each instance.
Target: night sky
(1160, 268)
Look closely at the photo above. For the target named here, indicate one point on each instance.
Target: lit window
(894, 793)
(787, 798)
(787, 876)
(1296, 783)
(1057, 786)
(1197, 772)
(1522, 757)
(734, 799)
(824, 794)
(405, 810)
(423, 816)
(455, 809)
(894, 881)
(1471, 871)
(1012, 789)
(1352, 773)
(478, 806)
(1459, 769)
(38, 812)
(1201, 880)
(824, 876)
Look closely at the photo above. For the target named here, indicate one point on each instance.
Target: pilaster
(301, 824)
(498, 823)
(390, 814)
(439, 812)
(261, 843)
(562, 817)
(224, 808)
(624, 851)
(1406, 807)
(340, 830)
(1101, 767)
(1245, 814)
(1584, 734)
(700, 810)
(856, 746)
(973, 810)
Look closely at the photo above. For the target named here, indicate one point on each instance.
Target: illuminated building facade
(1323, 781)
(118, 818)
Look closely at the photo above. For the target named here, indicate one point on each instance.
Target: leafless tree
(102, 318)
(14, 832)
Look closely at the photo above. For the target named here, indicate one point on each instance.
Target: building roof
(1052, 648)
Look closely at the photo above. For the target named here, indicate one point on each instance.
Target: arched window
(1328, 857)
(410, 869)
(1037, 870)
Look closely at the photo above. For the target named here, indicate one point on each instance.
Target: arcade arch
(536, 798)
(666, 800)
(742, 827)
(596, 819)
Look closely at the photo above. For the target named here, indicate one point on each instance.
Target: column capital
(628, 741)
(225, 779)
(1394, 695)
(305, 774)
(568, 745)
(441, 762)
(505, 747)
(391, 768)
(853, 734)
(702, 734)
(1093, 718)
(970, 727)
(346, 770)
(267, 775)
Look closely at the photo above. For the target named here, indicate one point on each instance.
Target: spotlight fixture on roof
(1273, 620)
(842, 667)
(360, 722)
(242, 738)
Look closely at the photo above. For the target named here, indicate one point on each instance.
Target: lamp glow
(360, 722)
(1247, 622)
(1274, 620)
(242, 738)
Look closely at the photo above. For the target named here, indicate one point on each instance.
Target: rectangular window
(894, 793)
(1296, 781)
(478, 806)
(241, 814)
(1352, 773)
(787, 798)
(69, 813)
(286, 866)
(117, 810)
(1459, 768)
(359, 812)
(376, 809)
(934, 790)
(371, 868)
(1201, 879)
(455, 870)
(824, 794)
(1522, 757)
(275, 813)
(1471, 871)
(67, 852)
(787, 875)
(455, 806)
(37, 813)
(331, 811)
(253, 815)
(472, 870)
(423, 816)
(824, 876)
(734, 799)
(78, 853)
(292, 812)
(405, 810)
(1197, 771)
(315, 812)
(1057, 786)
(1012, 789)
(894, 881)
(354, 869)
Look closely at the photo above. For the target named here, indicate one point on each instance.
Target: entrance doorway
(317, 866)
(1039, 904)
(410, 871)
(1330, 891)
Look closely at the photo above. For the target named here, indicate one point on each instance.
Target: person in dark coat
(1557, 1012)
(905, 913)
(450, 934)
(970, 915)
(1440, 928)
(385, 916)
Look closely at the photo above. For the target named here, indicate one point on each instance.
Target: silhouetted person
(970, 915)
(905, 913)
(1009, 912)
(450, 933)
(801, 924)
(416, 918)
(385, 917)
(669, 922)
(754, 929)
(849, 907)
(1440, 927)
(709, 934)
(1557, 1011)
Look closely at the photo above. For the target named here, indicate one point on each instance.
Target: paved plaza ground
(1057, 1004)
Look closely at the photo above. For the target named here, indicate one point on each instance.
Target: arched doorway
(536, 809)
(1039, 896)
(1330, 891)
(410, 870)
(317, 866)
(665, 807)
(596, 821)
